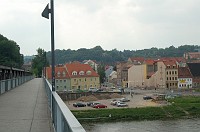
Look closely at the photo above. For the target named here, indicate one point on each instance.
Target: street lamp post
(45, 14)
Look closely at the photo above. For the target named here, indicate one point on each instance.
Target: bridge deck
(25, 109)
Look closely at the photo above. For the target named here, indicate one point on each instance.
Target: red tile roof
(170, 63)
(140, 59)
(58, 70)
(78, 67)
(184, 72)
(149, 62)
(177, 59)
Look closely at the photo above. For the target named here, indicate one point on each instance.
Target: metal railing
(8, 84)
(62, 117)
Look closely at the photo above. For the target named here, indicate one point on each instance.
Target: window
(74, 80)
(79, 80)
(90, 79)
(60, 80)
(167, 78)
(64, 80)
(172, 72)
(168, 66)
(81, 73)
(88, 72)
(85, 80)
(58, 74)
(64, 74)
(175, 78)
(172, 78)
(57, 81)
(167, 72)
(175, 72)
(74, 73)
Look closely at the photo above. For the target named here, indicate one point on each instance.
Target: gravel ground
(135, 101)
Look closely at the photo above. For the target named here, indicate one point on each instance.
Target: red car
(100, 106)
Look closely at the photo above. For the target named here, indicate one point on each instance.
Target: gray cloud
(121, 24)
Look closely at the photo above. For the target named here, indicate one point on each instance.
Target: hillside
(111, 57)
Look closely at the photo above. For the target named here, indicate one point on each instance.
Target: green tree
(101, 72)
(39, 62)
(10, 53)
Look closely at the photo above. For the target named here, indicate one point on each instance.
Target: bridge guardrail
(62, 117)
(8, 84)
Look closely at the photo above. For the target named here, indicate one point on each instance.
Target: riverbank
(181, 107)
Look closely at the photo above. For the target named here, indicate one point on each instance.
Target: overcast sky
(120, 24)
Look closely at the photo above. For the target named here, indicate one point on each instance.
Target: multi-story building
(62, 80)
(74, 76)
(171, 70)
(184, 78)
(122, 73)
(92, 63)
(82, 76)
(195, 71)
(137, 75)
(108, 71)
(192, 56)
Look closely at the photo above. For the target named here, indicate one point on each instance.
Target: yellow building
(82, 76)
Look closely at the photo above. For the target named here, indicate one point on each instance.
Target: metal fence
(8, 84)
(62, 117)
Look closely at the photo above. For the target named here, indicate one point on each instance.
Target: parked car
(124, 100)
(147, 97)
(114, 102)
(90, 103)
(92, 89)
(100, 106)
(95, 103)
(78, 104)
(121, 104)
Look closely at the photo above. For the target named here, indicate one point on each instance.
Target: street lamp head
(46, 12)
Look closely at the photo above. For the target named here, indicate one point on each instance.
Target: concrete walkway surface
(25, 109)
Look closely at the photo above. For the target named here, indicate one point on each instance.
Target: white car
(114, 102)
(121, 104)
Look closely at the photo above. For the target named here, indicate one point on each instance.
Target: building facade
(74, 76)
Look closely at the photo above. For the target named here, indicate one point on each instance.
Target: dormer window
(168, 66)
(64, 74)
(74, 73)
(81, 73)
(88, 72)
(58, 74)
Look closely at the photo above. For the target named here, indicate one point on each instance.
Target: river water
(187, 125)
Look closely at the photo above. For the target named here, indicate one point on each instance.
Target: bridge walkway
(25, 109)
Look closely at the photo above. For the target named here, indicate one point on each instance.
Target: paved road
(24, 109)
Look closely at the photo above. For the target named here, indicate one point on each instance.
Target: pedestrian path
(25, 109)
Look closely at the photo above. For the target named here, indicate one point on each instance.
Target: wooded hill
(10, 53)
(111, 57)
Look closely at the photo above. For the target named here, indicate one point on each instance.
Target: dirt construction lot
(135, 101)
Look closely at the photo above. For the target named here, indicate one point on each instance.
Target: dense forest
(110, 57)
(10, 53)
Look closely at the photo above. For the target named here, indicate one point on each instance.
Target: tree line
(112, 56)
